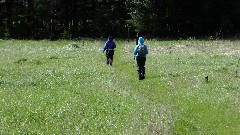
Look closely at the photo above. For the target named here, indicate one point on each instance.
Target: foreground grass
(55, 88)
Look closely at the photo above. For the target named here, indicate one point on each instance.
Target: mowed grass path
(52, 87)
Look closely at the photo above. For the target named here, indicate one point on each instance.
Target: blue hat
(140, 40)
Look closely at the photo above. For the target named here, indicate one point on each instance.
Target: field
(65, 87)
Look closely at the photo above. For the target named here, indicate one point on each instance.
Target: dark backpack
(141, 50)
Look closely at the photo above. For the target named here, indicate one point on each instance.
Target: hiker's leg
(138, 63)
(112, 53)
(140, 75)
(107, 59)
(140, 68)
(111, 59)
(143, 62)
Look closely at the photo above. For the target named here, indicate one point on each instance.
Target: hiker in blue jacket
(140, 52)
(109, 48)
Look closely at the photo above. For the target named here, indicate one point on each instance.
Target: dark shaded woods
(69, 19)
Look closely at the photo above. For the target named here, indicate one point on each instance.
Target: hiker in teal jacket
(140, 52)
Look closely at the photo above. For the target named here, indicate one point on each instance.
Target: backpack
(141, 50)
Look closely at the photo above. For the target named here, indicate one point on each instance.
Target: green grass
(55, 87)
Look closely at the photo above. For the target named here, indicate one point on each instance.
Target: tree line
(55, 19)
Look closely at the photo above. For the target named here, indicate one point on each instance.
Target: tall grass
(65, 87)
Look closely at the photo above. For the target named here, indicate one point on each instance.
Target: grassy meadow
(65, 87)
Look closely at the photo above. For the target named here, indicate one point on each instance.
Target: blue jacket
(140, 42)
(109, 45)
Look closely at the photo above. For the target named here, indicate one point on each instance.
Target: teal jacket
(140, 42)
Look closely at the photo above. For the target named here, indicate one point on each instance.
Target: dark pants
(109, 55)
(141, 66)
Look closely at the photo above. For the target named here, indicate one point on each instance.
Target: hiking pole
(137, 39)
(134, 57)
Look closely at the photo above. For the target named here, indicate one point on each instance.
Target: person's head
(140, 40)
(110, 38)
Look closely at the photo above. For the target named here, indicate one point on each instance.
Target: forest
(70, 19)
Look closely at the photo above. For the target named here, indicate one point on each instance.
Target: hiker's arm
(105, 47)
(135, 50)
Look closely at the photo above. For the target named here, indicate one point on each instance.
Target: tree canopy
(54, 19)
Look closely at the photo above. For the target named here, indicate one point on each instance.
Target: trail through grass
(65, 87)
